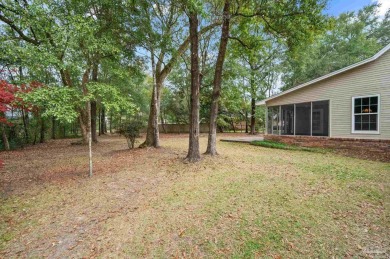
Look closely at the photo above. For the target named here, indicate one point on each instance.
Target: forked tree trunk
(152, 132)
(193, 148)
(5, 138)
(212, 140)
(161, 71)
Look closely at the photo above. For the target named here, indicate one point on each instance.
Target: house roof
(376, 56)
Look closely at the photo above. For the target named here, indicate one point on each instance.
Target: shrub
(131, 131)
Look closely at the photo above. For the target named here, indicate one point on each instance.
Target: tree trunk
(193, 148)
(103, 127)
(93, 121)
(253, 118)
(253, 103)
(89, 137)
(152, 132)
(5, 139)
(42, 131)
(110, 122)
(162, 122)
(36, 130)
(93, 106)
(104, 123)
(53, 128)
(232, 124)
(100, 121)
(25, 126)
(246, 121)
(63, 131)
(83, 119)
(212, 139)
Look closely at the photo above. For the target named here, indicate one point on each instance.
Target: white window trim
(370, 132)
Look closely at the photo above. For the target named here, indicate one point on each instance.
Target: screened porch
(305, 119)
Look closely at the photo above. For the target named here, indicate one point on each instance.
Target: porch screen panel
(320, 118)
(287, 120)
(269, 120)
(302, 120)
(273, 120)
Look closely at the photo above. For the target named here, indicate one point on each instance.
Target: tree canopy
(131, 61)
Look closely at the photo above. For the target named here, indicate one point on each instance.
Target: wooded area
(164, 61)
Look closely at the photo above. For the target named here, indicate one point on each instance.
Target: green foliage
(59, 102)
(351, 38)
(67, 44)
(111, 97)
(131, 130)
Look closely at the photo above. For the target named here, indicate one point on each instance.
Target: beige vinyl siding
(369, 79)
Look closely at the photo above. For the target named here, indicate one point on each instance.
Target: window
(365, 114)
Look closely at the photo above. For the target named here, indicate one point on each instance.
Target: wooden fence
(181, 128)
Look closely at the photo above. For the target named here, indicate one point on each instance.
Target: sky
(336, 7)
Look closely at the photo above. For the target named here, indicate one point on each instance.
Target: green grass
(247, 202)
(279, 145)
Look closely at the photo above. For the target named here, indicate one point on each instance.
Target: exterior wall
(369, 79)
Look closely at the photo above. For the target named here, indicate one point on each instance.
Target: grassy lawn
(249, 202)
(279, 145)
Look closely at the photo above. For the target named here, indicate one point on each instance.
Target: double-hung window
(365, 114)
